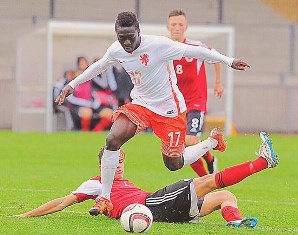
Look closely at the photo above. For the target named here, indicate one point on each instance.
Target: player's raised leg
(235, 174)
(192, 153)
(266, 159)
(215, 141)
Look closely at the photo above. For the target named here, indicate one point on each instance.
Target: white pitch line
(27, 190)
(269, 202)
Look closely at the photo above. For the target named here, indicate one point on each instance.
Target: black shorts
(195, 121)
(172, 203)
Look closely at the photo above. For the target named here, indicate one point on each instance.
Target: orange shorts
(170, 130)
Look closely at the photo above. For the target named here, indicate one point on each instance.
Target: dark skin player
(129, 118)
(124, 129)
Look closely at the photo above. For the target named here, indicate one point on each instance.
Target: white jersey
(151, 70)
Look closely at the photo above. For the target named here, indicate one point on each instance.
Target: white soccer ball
(136, 218)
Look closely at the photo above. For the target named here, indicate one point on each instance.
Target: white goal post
(62, 41)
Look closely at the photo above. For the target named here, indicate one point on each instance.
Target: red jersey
(192, 80)
(83, 91)
(123, 194)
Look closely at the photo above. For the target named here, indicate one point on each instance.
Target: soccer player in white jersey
(156, 99)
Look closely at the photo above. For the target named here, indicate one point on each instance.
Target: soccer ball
(136, 218)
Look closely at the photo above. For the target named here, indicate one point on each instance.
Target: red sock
(230, 213)
(235, 174)
(258, 165)
(208, 157)
(102, 125)
(85, 124)
(199, 168)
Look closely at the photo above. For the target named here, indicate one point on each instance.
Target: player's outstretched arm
(50, 207)
(92, 71)
(203, 53)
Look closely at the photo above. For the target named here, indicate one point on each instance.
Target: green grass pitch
(36, 168)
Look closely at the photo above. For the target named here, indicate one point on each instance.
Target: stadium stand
(262, 38)
(288, 8)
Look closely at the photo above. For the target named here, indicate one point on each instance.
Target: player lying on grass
(187, 199)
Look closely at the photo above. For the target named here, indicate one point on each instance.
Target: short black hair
(127, 19)
(81, 58)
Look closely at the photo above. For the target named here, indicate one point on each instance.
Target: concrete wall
(261, 100)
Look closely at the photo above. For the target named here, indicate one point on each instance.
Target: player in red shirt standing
(192, 82)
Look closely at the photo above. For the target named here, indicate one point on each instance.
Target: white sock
(194, 152)
(109, 163)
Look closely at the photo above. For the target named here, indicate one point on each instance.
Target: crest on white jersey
(144, 59)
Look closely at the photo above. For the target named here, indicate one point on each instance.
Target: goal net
(44, 54)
